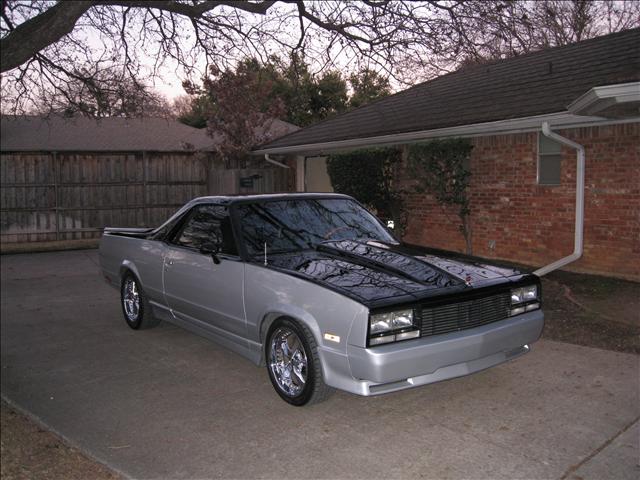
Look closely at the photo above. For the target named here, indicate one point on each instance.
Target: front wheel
(135, 306)
(294, 365)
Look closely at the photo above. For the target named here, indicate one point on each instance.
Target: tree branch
(192, 11)
(28, 38)
(111, 41)
(37, 33)
(340, 28)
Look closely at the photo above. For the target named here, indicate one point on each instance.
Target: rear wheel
(294, 365)
(135, 306)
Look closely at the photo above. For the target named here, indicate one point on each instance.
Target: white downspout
(275, 162)
(579, 227)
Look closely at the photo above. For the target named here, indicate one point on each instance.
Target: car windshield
(299, 224)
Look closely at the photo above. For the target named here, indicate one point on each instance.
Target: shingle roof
(534, 84)
(53, 133)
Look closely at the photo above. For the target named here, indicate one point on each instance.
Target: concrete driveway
(165, 403)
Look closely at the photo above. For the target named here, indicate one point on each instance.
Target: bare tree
(47, 46)
(104, 96)
(516, 27)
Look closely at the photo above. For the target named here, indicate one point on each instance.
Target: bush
(368, 176)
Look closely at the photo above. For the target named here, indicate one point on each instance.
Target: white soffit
(600, 98)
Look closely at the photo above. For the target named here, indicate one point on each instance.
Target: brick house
(524, 189)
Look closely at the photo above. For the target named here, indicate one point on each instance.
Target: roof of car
(269, 197)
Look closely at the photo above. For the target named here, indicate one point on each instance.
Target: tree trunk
(37, 33)
(465, 227)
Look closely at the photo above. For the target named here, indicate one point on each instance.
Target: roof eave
(603, 97)
(517, 125)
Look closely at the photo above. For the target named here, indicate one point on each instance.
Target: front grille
(464, 315)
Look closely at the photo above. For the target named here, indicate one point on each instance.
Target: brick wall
(515, 219)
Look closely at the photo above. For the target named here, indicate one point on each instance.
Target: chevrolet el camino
(316, 289)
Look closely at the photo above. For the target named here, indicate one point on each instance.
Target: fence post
(145, 207)
(56, 181)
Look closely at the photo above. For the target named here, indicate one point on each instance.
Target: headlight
(516, 296)
(524, 294)
(392, 326)
(384, 322)
(524, 299)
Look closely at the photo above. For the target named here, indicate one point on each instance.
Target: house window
(549, 159)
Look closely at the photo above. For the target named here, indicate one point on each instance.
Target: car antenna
(265, 253)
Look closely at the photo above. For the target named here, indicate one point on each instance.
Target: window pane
(548, 146)
(549, 169)
(208, 224)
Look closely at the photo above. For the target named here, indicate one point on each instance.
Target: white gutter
(275, 162)
(579, 227)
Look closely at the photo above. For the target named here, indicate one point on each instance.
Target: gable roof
(535, 84)
(116, 134)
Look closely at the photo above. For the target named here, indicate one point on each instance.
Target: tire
(293, 364)
(135, 306)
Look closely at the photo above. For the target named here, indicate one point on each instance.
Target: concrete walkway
(165, 403)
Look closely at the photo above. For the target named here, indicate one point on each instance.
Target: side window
(207, 223)
(549, 161)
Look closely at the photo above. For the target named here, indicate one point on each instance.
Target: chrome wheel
(288, 361)
(131, 299)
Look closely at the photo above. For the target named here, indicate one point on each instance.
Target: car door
(199, 290)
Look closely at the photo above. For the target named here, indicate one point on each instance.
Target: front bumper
(397, 366)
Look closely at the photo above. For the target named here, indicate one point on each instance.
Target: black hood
(376, 274)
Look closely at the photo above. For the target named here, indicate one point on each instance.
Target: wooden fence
(72, 196)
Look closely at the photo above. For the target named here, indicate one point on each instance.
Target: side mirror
(211, 248)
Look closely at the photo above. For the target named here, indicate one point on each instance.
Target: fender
(274, 312)
(333, 356)
(128, 265)
(299, 314)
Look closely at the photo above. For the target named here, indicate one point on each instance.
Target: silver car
(316, 289)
